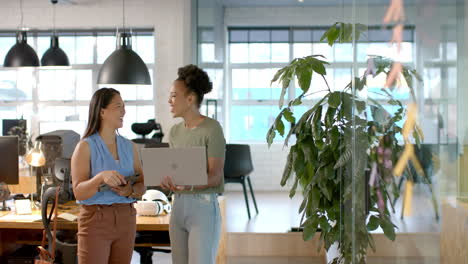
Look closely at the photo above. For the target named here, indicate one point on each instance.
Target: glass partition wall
(377, 121)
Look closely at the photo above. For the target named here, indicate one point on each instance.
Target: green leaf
(271, 136)
(292, 192)
(288, 167)
(318, 66)
(380, 115)
(304, 77)
(344, 158)
(360, 105)
(373, 223)
(335, 99)
(297, 101)
(330, 116)
(388, 229)
(303, 204)
(309, 232)
(279, 126)
(335, 137)
(277, 75)
(288, 115)
(325, 191)
(314, 198)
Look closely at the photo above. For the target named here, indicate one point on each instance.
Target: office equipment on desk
(153, 203)
(17, 127)
(35, 158)
(23, 206)
(55, 144)
(9, 167)
(62, 169)
(187, 166)
(9, 163)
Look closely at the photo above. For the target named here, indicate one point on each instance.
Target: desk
(28, 232)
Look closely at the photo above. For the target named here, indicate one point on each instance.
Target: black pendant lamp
(124, 66)
(54, 56)
(21, 54)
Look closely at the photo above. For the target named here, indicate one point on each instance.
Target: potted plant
(344, 150)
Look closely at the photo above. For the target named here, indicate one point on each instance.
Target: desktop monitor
(9, 170)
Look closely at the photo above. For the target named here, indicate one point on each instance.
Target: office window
(255, 54)
(53, 99)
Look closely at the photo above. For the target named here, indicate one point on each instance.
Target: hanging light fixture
(124, 66)
(54, 56)
(21, 54)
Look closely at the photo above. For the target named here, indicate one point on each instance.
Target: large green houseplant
(342, 143)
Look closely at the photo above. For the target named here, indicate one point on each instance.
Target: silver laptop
(187, 166)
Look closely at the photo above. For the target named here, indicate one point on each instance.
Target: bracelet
(132, 193)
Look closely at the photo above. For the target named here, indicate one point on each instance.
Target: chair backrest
(238, 161)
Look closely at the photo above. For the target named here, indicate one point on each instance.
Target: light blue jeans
(195, 228)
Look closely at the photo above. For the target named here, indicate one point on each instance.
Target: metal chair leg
(246, 198)
(252, 193)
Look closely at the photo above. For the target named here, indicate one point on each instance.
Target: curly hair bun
(195, 78)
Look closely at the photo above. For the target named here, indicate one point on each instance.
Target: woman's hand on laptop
(167, 183)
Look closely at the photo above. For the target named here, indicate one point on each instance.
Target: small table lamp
(35, 158)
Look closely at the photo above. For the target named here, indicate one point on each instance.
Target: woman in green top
(195, 219)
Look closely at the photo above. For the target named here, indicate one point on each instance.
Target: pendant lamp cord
(21, 14)
(53, 17)
(123, 14)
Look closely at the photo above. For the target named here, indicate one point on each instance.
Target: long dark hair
(100, 100)
(196, 80)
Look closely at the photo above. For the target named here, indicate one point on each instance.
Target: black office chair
(145, 129)
(237, 167)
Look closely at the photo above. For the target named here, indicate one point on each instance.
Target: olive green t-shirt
(208, 134)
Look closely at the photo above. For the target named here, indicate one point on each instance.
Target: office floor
(278, 206)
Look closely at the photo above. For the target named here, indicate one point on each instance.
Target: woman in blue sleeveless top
(107, 220)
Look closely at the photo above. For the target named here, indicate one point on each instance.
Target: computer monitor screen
(9, 160)
(8, 124)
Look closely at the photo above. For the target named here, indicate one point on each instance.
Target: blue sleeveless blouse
(102, 160)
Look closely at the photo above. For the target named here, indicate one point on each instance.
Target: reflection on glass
(432, 83)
